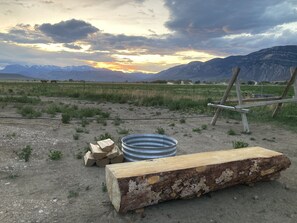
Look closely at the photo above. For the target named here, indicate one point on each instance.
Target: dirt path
(43, 190)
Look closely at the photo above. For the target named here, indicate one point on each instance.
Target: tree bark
(139, 184)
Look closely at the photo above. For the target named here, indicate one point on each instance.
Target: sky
(140, 35)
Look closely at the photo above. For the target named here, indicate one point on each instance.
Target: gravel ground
(43, 190)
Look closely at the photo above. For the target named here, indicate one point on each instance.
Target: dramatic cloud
(214, 18)
(24, 33)
(68, 31)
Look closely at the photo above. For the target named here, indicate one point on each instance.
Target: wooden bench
(138, 184)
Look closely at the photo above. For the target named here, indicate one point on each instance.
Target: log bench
(138, 184)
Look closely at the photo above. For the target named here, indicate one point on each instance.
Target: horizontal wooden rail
(288, 100)
(232, 108)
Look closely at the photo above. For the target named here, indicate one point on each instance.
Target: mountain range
(271, 64)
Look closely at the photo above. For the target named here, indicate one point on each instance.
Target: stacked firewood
(103, 153)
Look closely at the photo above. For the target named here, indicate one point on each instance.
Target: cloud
(213, 18)
(24, 33)
(72, 46)
(68, 31)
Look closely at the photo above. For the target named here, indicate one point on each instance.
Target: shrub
(29, 112)
(117, 121)
(104, 136)
(79, 155)
(160, 130)
(102, 121)
(25, 153)
(203, 127)
(196, 130)
(75, 136)
(66, 118)
(182, 121)
(171, 124)
(231, 132)
(55, 155)
(239, 144)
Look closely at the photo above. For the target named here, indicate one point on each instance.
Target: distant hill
(270, 64)
(11, 76)
(86, 73)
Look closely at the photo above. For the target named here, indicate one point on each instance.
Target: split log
(97, 152)
(106, 145)
(138, 184)
(89, 159)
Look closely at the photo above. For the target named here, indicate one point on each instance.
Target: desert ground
(45, 190)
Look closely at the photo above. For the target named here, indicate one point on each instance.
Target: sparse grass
(252, 139)
(239, 144)
(20, 99)
(87, 148)
(176, 97)
(72, 194)
(231, 132)
(29, 112)
(55, 155)
(76, 136)
(11, 135)
(12, 176)
(103, 187)
(102, 121)
(204, 127)
(79, 130)
(123, 131)
(25, 153)
(198, 130)
(182, 121)
(84, 122)
(66, 118)
(106, 135)
(117, 121)
(171, 124)
(160, 131)
(79, 155)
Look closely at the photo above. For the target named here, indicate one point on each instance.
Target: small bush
(84, 122)
(25, 153)
(29, 112)
(79, 130)
(239, 144)
(160, 130)
(72, 194)
(117, 121)
(203, 127)
(231, 132)
(75, 136)
(66, 118)
(182, 121)
(104, 136)
(171, 124)
(196, 130)
(55, 155)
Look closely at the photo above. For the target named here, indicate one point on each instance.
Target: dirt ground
(43, 190)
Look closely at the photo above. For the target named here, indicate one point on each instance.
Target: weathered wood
(235, 72)
(243, 115)
(228, 107)
(250, 100)
(106, 145)
(138, 184)
(293, 71)
(259, 104)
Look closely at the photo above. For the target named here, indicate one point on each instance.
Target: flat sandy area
(43, 190)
